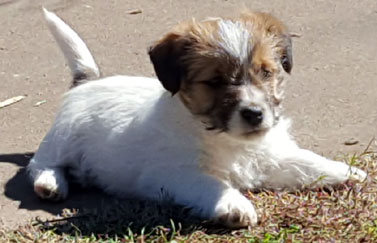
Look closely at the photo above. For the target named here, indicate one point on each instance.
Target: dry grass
(347, 213)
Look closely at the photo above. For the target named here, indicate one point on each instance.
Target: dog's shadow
(20, 189)
(94, 212)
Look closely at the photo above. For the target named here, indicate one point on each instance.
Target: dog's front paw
(233, 210)
(356, 174)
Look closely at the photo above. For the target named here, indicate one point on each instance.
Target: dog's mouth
(249, 133)
(215, 128)
(255, 132)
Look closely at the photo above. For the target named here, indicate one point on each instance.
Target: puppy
(206, 130)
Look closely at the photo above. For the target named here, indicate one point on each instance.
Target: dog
(209, 128)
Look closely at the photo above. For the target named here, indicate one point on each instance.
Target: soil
(331, 95)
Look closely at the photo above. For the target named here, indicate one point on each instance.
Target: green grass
(347, 213)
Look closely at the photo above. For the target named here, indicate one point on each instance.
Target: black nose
(253, 116)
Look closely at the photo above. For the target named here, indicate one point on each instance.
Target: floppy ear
(286, 53)
(166, 56)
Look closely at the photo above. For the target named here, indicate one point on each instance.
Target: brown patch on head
(210, 63)
(268, 25)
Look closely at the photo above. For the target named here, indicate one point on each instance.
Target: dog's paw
(356, 174)
(49, 186)
(233, 210)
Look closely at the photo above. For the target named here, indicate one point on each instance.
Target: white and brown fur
(210, 131)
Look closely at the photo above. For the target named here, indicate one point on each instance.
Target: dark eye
(236, 83)
(266, 73)
(213, 83)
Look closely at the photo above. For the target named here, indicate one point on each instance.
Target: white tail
(77, 54)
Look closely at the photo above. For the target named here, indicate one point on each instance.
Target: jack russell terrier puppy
(207, 129)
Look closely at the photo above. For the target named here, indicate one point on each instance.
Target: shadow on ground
(20, 189)
(93, 212)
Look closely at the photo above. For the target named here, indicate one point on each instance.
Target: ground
(331, 95)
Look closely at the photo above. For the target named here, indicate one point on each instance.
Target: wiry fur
(130, 137)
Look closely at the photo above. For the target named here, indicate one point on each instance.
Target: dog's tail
(77, 54)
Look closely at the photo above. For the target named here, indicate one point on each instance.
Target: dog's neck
(227, 158)
(230, 159)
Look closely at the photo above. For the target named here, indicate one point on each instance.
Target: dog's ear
(284, 44)
(286, 52)
(272, 26)
(166, 56)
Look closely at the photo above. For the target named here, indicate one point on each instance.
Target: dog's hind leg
(49, 183)
(47, 167)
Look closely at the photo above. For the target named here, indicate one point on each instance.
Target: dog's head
(227, 72)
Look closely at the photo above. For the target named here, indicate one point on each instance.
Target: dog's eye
(266, 73)
(236, 83)
(214, 83)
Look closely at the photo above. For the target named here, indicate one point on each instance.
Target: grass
(347, 213)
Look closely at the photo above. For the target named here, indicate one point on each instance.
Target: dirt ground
(331, 95)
